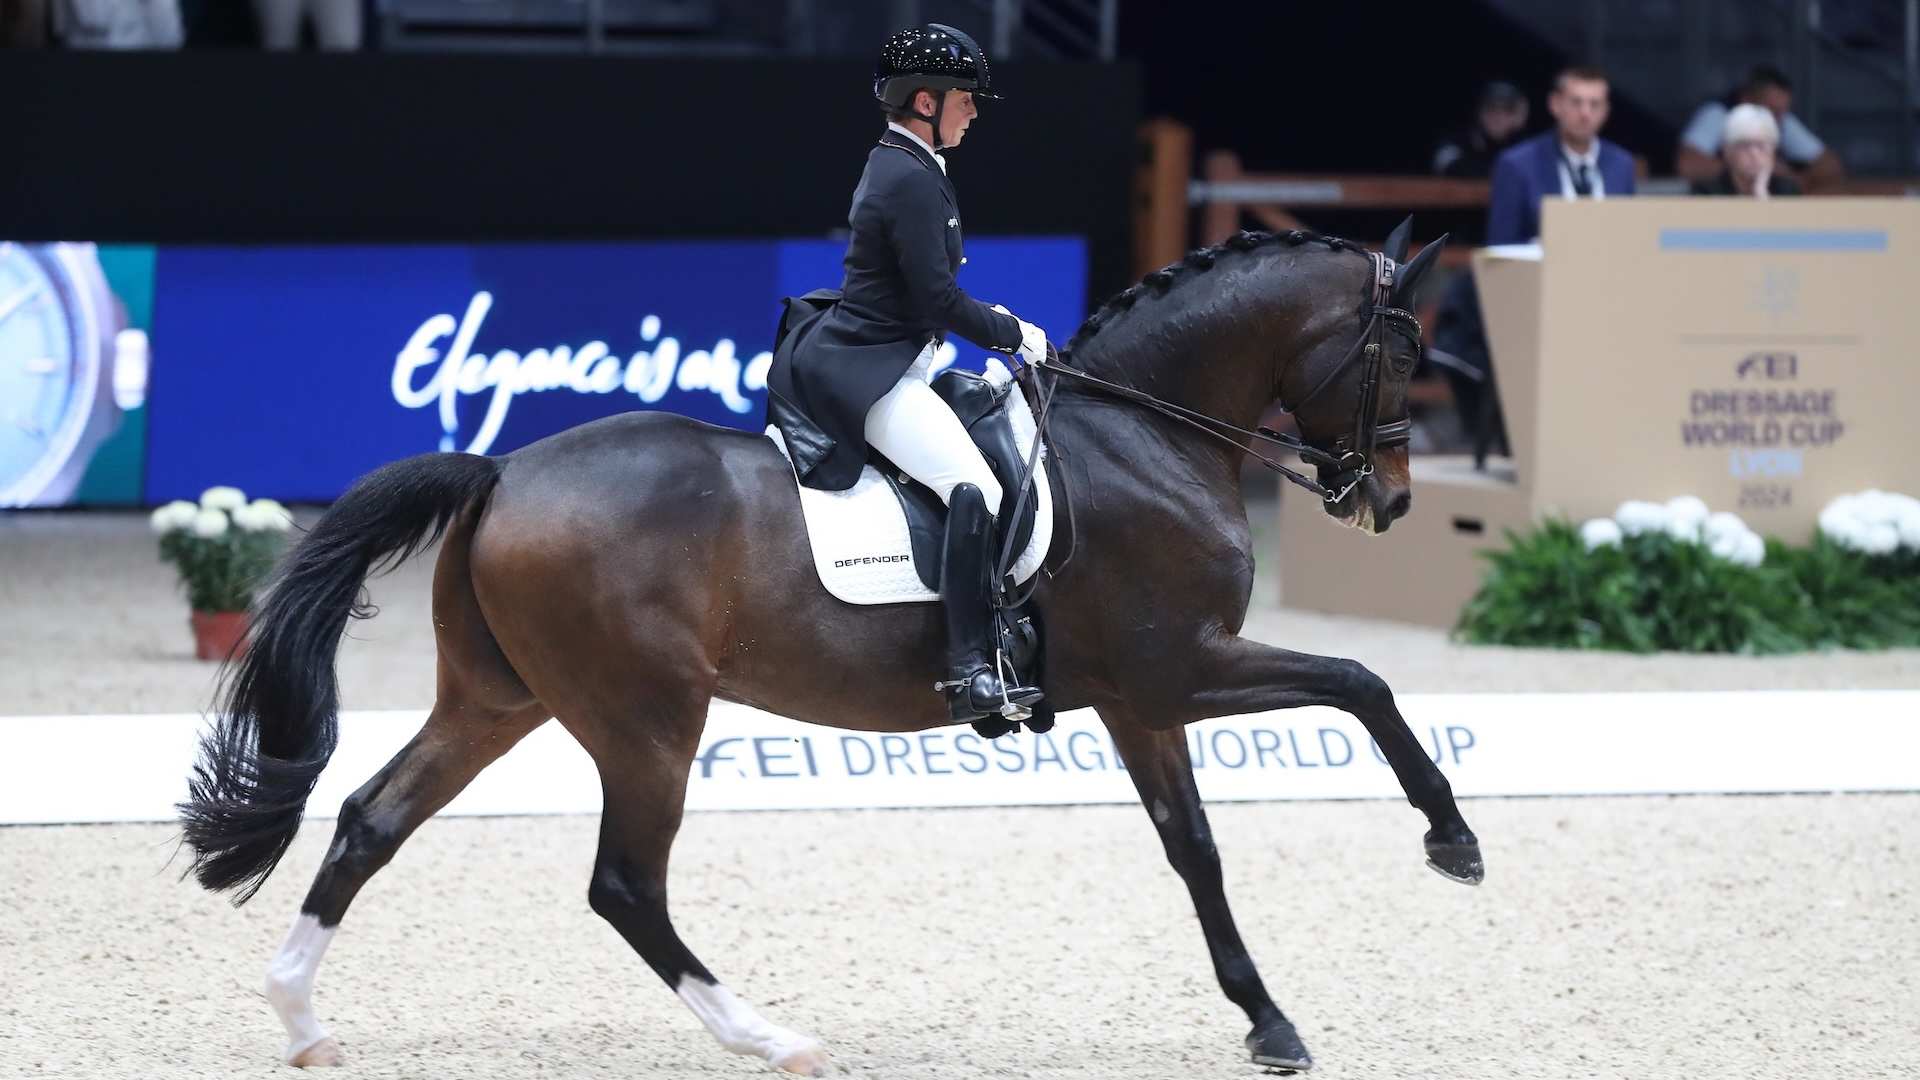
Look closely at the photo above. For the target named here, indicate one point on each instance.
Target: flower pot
(218, 634)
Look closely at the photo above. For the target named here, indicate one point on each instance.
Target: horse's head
(1349, 396)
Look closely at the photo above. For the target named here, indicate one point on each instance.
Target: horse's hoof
(1277, 1046)
(323, 1053)
(806, 1061)
(1457, 862)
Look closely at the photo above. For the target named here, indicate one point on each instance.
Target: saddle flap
(863, 538)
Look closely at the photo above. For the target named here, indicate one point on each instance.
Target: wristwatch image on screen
(69, 366)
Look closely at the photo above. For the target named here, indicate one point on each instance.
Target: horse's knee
(1360, 686)
(1191, 850)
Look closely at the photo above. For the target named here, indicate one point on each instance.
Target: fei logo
(590, 369)
(1768, 365)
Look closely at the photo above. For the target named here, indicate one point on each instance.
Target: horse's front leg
(1161, 771)
(1231, 675)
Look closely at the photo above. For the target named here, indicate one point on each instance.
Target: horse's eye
(1403, 363)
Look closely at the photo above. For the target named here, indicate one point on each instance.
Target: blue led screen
(291, 371)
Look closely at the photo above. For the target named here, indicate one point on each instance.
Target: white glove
(1033, 340)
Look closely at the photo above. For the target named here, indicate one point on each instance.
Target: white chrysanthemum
(245, 518)
(1751, 550)
(1686, 516)
(1601, 532)
(1636, 517)
(223, 498)
(210, 523)
(1879, 538)
(174, 516)
(271, 515)
(1874, 522)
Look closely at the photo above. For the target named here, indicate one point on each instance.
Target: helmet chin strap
(939, 109)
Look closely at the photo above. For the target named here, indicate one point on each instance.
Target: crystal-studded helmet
(931, 57)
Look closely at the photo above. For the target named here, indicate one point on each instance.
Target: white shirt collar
(920, 142)
(1591, 159)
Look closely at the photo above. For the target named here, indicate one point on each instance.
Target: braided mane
(1198, 262)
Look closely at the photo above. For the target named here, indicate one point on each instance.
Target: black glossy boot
(973, 687)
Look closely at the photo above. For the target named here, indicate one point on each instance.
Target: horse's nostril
(1401, 503)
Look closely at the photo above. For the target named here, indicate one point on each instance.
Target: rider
(852, 368)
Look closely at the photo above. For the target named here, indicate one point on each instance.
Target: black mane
(1163, 279)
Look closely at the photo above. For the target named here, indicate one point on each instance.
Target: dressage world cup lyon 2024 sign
(292, 371)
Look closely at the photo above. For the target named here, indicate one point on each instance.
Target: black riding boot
(972, 684)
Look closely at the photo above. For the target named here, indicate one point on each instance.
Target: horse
(620, 575)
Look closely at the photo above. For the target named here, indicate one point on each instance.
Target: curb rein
(1351, 454)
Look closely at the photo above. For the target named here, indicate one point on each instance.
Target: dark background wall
(229, 147)
(1345, 87)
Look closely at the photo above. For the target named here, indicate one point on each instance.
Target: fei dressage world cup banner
(133, 768)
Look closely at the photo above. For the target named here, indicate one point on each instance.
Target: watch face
(49, 368)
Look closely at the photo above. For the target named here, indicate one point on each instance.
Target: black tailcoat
(837, 354)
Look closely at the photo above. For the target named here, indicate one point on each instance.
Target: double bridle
(1350, 454)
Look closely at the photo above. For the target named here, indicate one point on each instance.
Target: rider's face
(958, 113)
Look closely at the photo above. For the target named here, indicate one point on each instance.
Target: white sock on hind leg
(746, 1032)
(290, 985)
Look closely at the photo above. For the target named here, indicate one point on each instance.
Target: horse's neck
(1222, 358)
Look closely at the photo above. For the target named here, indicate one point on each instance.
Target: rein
(1352, 453)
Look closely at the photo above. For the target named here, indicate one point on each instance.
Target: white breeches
(919, 433)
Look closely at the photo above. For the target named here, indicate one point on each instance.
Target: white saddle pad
(859, 536)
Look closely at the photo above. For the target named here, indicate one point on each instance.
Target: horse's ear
(1398, 241)
(1408, 280)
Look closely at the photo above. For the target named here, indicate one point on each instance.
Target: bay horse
(620, 575)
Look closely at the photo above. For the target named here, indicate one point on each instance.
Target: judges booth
(1764, 356)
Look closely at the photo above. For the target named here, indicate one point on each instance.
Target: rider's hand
(1033, 340)
(1033, 343)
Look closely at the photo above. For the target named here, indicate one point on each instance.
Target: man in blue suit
(1572, 161)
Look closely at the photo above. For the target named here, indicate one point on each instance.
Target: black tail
(278, 721)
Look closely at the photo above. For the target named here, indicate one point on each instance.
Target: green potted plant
(223, 546)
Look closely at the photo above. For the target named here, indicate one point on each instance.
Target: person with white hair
(1749, 149)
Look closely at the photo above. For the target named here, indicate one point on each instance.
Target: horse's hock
(1728, 349)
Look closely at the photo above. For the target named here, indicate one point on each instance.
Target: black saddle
(978, 403)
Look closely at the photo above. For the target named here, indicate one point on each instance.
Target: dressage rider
(851, 369)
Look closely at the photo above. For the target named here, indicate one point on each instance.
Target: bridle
(1350, 454)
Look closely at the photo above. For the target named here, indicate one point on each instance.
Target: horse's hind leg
(457, 742)
(1158, 763)
(645, 783)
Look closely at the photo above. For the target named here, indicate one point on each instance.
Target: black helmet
(930, 57)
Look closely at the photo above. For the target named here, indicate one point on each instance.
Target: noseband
(1350, 454)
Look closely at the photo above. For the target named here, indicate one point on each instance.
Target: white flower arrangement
(1687, 520)
(1873, 522)
(224, 545)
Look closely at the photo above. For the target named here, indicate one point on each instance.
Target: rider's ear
(1408, 281)
(1398, 241)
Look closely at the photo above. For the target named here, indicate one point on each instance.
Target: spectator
(1802, 156)
(1749, 143)
(118, 24)
(1572, 160)
(1498, 120)
(336, 23)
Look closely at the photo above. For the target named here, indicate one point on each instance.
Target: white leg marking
(290, 990)
(744, 1031)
